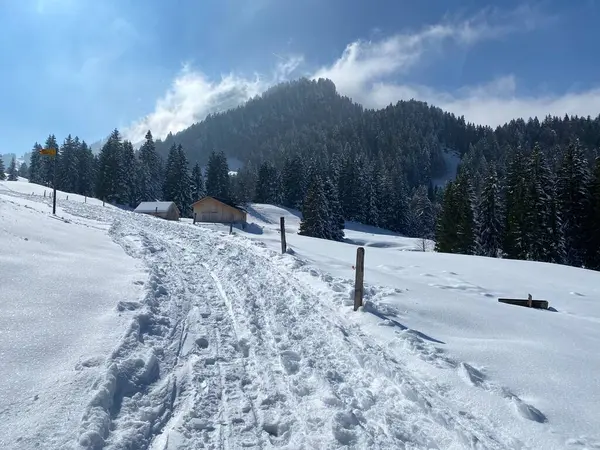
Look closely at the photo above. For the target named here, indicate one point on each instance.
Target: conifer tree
(35, 167)
(13, 174)
(293, 182)
(422, 219)
(336, 218)
(446, 235)
(49, 164)
(315, 215)
(149, 171)
(67, 169)
(592, 258)
(86, 170)
(2, 169)
(490, 216)
(573, 197)
(516, 228)
(109, 179)
(178, 184)
(128, 171)
(465, 216)
(217, 176)
(24, 170)
(197, 183)
(267, 184)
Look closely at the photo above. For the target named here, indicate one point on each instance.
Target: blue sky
(85, 67)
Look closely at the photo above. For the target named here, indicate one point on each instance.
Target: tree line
(303, 146)
(534, 210)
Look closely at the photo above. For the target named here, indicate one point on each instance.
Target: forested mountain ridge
(526, 190)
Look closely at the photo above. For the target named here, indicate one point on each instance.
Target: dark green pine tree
(2, 169)
(50, 163)
(336, 218)
(13, 174)
(422, 218)
(35, 166)
(446, 233)
(109, 180)
(465, 216)
(68, 167)
(243, 185)
(149, 171)
(267, 189)
(178, 184)
(197, 183)
(24, 170)
(86, 170)
(490, 216)
(169, 187)
(217, 177)
(539, 213)
(315, 211)
(516, 228)
(573, 198)
(592, 257)
(293, 182)
(128, 172)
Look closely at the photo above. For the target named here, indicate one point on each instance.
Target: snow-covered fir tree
(149, 171)
(315, 211)
(24, 170)
(336, 218)
(13, 174)
(128, 171)
(490, 216)
(293, 181)
(35, 165)
(217, 177)
(2, 170)
(516, 226)
(198, 190)
(109, 179)
(592, 256)
(178, 184)
(573, 179)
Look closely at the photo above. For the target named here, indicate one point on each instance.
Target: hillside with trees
(526, 190)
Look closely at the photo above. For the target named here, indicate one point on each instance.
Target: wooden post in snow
(230, 227)
(282, 227)
(85, 199)
(103, 202)
(195, 218)
(529, 300)
(360, 276)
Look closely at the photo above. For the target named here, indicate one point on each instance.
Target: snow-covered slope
(233, 345)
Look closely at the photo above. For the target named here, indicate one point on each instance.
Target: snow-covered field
(229, 344)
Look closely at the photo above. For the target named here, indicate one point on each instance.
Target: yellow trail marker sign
(48, 151)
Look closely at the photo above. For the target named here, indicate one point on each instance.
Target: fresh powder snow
(124, 331)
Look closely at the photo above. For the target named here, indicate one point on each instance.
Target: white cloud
(192, 96)
(371, 72)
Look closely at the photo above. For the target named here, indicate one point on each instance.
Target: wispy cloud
(374, 72)
(192, 96)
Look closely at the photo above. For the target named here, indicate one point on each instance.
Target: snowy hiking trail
(229, 350)
(234, 345)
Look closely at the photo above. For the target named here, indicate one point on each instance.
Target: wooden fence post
(529, 300)
(231, 228)
(283, 242)
(103, 202)
(85, 199)
(195, 218)
(360, 276)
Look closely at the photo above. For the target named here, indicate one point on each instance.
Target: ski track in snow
(231, 349)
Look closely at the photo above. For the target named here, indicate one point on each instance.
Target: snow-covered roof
(150, 207)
